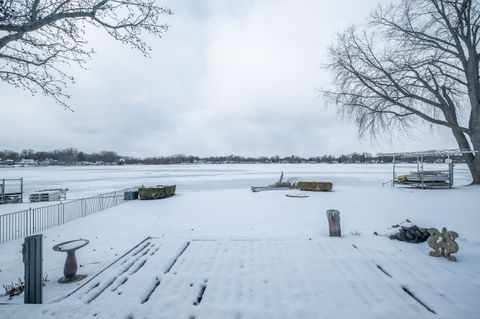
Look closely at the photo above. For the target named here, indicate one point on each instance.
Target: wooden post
(32, 258)
(333, 217)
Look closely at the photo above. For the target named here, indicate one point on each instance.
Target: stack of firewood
(412, 234)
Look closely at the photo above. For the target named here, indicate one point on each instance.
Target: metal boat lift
(426, 178)
(11, 190)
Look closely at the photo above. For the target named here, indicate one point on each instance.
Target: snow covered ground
(253, 255)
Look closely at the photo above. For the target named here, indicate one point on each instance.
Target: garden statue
(443, 243)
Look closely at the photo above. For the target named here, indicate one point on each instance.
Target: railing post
(25, 233)
(21, 189)
(28, 223)
(450, 173)
(3, 190)
(32, 221)
(422, 179)
(393, 173)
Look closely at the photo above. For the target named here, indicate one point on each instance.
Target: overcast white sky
(229, 77)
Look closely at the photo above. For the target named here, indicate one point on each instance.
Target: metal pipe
(423, 184)
(393, 177)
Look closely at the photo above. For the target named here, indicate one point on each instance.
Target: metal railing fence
(33, 220)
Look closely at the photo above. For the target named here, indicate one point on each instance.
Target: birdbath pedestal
(70, 268)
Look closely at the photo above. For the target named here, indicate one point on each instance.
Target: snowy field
(217, 250)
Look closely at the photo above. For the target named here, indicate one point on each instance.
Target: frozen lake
(84, 181)
(90, 180)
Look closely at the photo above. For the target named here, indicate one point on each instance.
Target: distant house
(47, 162)
(27, 162)
(50, 161)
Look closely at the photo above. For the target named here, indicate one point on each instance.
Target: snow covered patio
(329, 278)
(217, 250)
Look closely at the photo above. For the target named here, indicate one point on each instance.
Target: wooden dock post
(333, 217)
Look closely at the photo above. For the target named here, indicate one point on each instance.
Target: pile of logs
(412, 234)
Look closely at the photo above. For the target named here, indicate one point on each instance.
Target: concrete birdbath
(70, 268)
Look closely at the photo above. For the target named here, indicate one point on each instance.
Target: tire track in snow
(411, 294)
(138, 262)
(369, 252)
(151, 291)
(176, 258)
(156, 283)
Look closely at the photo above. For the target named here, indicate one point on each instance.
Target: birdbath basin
(70, 268)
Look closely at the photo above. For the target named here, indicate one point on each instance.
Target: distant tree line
(65, 156)
(72, 156)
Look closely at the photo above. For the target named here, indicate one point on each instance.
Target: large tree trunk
(475, 166)
(476, 172)
(473, 85)
(471, 159)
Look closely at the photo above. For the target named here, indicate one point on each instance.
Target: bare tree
(41, 39)
(416, 60)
